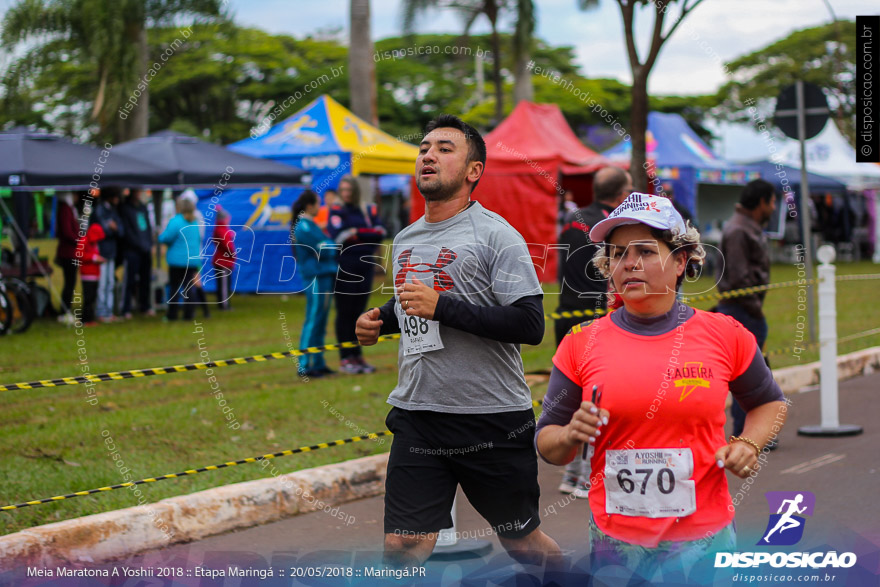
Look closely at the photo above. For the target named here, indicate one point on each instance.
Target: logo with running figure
(786, 525)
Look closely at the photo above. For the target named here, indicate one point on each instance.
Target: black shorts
(492, 457)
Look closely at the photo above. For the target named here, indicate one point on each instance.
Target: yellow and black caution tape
(863, 334)
(745, 291)
(117, 375)
(790, 349)
(274, 455)
(283, 453)
(134, 373)
(857, 277)
(810, 345)
(574, 314)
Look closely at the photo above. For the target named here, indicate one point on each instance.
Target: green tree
(822, 55)
(470, 11)
(109, 38)
(641, 67)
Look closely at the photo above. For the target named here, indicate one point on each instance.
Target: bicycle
(17, 310)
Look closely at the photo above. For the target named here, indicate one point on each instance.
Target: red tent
(532, 157)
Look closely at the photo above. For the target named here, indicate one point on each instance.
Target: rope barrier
(371, 436)
(858, 277)
(745, 291)
(283, 453)
(134, 373)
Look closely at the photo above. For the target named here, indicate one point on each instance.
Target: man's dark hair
(755, 192)
(606, 189)
(475, 142)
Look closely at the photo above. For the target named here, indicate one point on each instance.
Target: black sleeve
(522, 322)
(756, 385)
(390, 325)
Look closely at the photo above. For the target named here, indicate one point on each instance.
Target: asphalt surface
(842, 472)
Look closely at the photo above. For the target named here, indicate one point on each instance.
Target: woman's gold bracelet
(747, 441)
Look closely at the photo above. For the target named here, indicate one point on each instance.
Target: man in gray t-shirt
(466, 298)
(478, 258)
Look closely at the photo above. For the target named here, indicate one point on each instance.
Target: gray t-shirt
(477, 256)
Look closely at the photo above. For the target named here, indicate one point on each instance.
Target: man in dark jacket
(746, 263)
(581, 286)
(359, 231)
(107, 215)
(67, 231)
(137, 245)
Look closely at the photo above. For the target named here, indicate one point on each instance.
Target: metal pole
(806, 220)
(829, 418)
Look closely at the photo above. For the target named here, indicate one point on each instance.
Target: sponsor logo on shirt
(441, 280)
(689, 377)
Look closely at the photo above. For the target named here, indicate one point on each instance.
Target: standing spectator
(182, 237)
(67, 229)
(746, 263)
(223, 260)
(198, 296)
(581, 286)
(315, 254)
(137, 251)
(358, 231)
(107, 215)
(568, 206)
(91, 261)
(331, 200)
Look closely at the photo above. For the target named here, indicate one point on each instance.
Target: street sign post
(801, 113)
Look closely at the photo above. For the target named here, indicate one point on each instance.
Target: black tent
(31, 161)
(196, 163)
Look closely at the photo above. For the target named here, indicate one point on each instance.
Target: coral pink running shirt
(654, 472)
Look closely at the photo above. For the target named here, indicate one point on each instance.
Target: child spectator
(90, 261)
(223, 260)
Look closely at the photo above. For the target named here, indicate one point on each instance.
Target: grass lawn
(53, 440)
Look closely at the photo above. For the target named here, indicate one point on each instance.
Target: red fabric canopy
(526, 156)
(537, 134)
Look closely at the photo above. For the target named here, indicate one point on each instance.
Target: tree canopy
(823, 55)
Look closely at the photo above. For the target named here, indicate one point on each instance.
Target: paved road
(843, 473)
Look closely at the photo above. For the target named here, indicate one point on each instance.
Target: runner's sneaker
(365, 367)
(350, 366)
(569, 483)
(582, 491)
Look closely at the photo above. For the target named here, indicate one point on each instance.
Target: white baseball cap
(655, 211)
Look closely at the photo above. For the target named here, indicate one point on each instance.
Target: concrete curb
(793, 379)
(122, 533)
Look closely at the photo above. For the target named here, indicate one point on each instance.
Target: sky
(690, 63)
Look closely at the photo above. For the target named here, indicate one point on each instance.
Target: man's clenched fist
(367, 327)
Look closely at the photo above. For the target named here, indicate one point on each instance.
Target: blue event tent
(704, 183)
(326, 140)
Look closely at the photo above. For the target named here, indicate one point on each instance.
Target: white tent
(829, 153)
